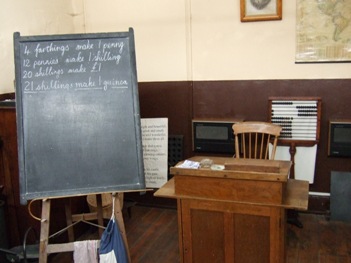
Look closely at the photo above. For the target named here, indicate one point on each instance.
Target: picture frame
(260, 10)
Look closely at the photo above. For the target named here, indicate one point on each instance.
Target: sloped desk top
(238, 183)
(250, 169)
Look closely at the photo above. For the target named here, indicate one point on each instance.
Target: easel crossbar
(64, 247)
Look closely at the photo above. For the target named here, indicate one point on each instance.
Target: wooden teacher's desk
(236, 214)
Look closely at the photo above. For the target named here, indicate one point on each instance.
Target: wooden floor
(153, 238)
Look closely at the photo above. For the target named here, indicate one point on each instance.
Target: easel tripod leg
(119, 219)
(69, 221)
(44, 230)
(99, 213)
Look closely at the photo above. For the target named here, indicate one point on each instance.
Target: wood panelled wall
(248, 100)
(182, 101)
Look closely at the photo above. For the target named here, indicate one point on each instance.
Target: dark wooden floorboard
(156, 238)
(153, 238)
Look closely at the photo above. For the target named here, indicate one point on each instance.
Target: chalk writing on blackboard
(51, 65)
(78, 115)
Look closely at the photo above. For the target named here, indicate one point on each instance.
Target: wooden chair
(252, 139)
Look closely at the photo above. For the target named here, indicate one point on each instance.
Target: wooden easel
(46, 248)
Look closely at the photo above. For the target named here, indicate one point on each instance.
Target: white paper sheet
(155, 151)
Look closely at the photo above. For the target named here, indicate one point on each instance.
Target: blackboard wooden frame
(78, 119)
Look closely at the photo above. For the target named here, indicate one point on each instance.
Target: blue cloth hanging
(112, 248)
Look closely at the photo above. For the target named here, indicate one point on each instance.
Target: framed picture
(260, 10)
(323, 32)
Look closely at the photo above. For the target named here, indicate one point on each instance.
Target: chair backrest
(252, 139)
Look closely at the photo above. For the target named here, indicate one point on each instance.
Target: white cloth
(85, 251)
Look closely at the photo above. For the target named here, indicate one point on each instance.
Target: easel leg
(292, 214)
(69, 220)
(44, 230)
(119, 219)
(99, 213)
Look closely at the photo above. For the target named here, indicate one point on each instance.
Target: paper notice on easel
(305, 161)
(155, 151)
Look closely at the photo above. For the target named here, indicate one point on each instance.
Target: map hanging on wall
(323, 31)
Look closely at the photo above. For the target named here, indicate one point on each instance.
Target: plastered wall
(175, 40)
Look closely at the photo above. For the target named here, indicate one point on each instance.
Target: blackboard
(78, 119)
